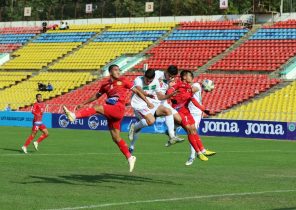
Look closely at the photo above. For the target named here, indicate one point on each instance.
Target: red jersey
(181, 100)
(37, 110)
(117, 90)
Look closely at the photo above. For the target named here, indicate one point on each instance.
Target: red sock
(28, 141)
(86, 112)
(199, 142)
(192, 140)
(123, 148)
(41, 138)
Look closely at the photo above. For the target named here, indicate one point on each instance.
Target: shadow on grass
(13, 150)
(93, 180)
(289, 208)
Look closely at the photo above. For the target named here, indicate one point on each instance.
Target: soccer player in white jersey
(197, 115)
(151, 88)
(164, 77)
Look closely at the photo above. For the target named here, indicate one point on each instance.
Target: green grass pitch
(76, 169)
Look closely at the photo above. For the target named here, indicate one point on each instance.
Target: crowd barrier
(23, 119)
(208, 127)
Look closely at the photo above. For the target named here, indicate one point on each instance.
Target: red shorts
(38, 127)
(187, 118)
(114, 115)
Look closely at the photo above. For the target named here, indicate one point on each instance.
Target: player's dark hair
(112, 66)
(149, 74)
(185, 72)
(38, 94)
(172, 70)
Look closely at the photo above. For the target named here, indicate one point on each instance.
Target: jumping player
(37, 110)
(151, 88)
(180, 103)
(164, 78)
(197, 116)
(116, 89)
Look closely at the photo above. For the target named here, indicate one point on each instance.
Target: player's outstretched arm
(91, 99)
(198, 105)
(142, 96)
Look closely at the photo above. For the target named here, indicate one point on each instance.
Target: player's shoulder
(159, 74)
(139, 79)
(196, 84)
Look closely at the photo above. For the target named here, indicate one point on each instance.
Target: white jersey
(198, 97)
(150, 89)
(159, 75)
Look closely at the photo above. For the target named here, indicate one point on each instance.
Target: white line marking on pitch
(141, 153)
(173, 199)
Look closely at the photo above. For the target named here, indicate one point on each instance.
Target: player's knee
(150, 121)
(167, 112)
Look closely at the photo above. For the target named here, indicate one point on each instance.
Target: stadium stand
(189, 46)
(195, 42)
(80, 28)
(14, 37)
(10, 78)
(35, 56)
(76, 97)
(118, 40)
(268, 49)
(226, 94)
(278, 106)
(23, 94)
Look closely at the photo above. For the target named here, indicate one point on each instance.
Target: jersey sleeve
(197, 85)
(138, 82)
(159, 75)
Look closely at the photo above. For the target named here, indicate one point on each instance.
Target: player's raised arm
(91, 99)
(201, 107)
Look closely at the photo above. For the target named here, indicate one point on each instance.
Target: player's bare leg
(28, 141)
(41, 138)
(115, 133)
(84, 112)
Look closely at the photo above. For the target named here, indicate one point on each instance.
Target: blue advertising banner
(208, 127)
(291, 131)
(243, 128)
(25, 119)
(99, 122)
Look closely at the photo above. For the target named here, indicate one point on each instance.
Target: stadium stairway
(259, 96)
(239, 42)
(129, 66)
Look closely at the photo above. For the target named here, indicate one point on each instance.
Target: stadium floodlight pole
(281, 7)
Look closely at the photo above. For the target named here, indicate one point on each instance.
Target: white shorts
(142, 111)
(197, 119)
(167, 105)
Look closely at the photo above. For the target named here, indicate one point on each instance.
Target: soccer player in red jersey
(180, 102)
(116, 89)
(37, 110)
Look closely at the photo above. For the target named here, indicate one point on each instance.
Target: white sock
(169, 121)
(193, 153)
(140, 124)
